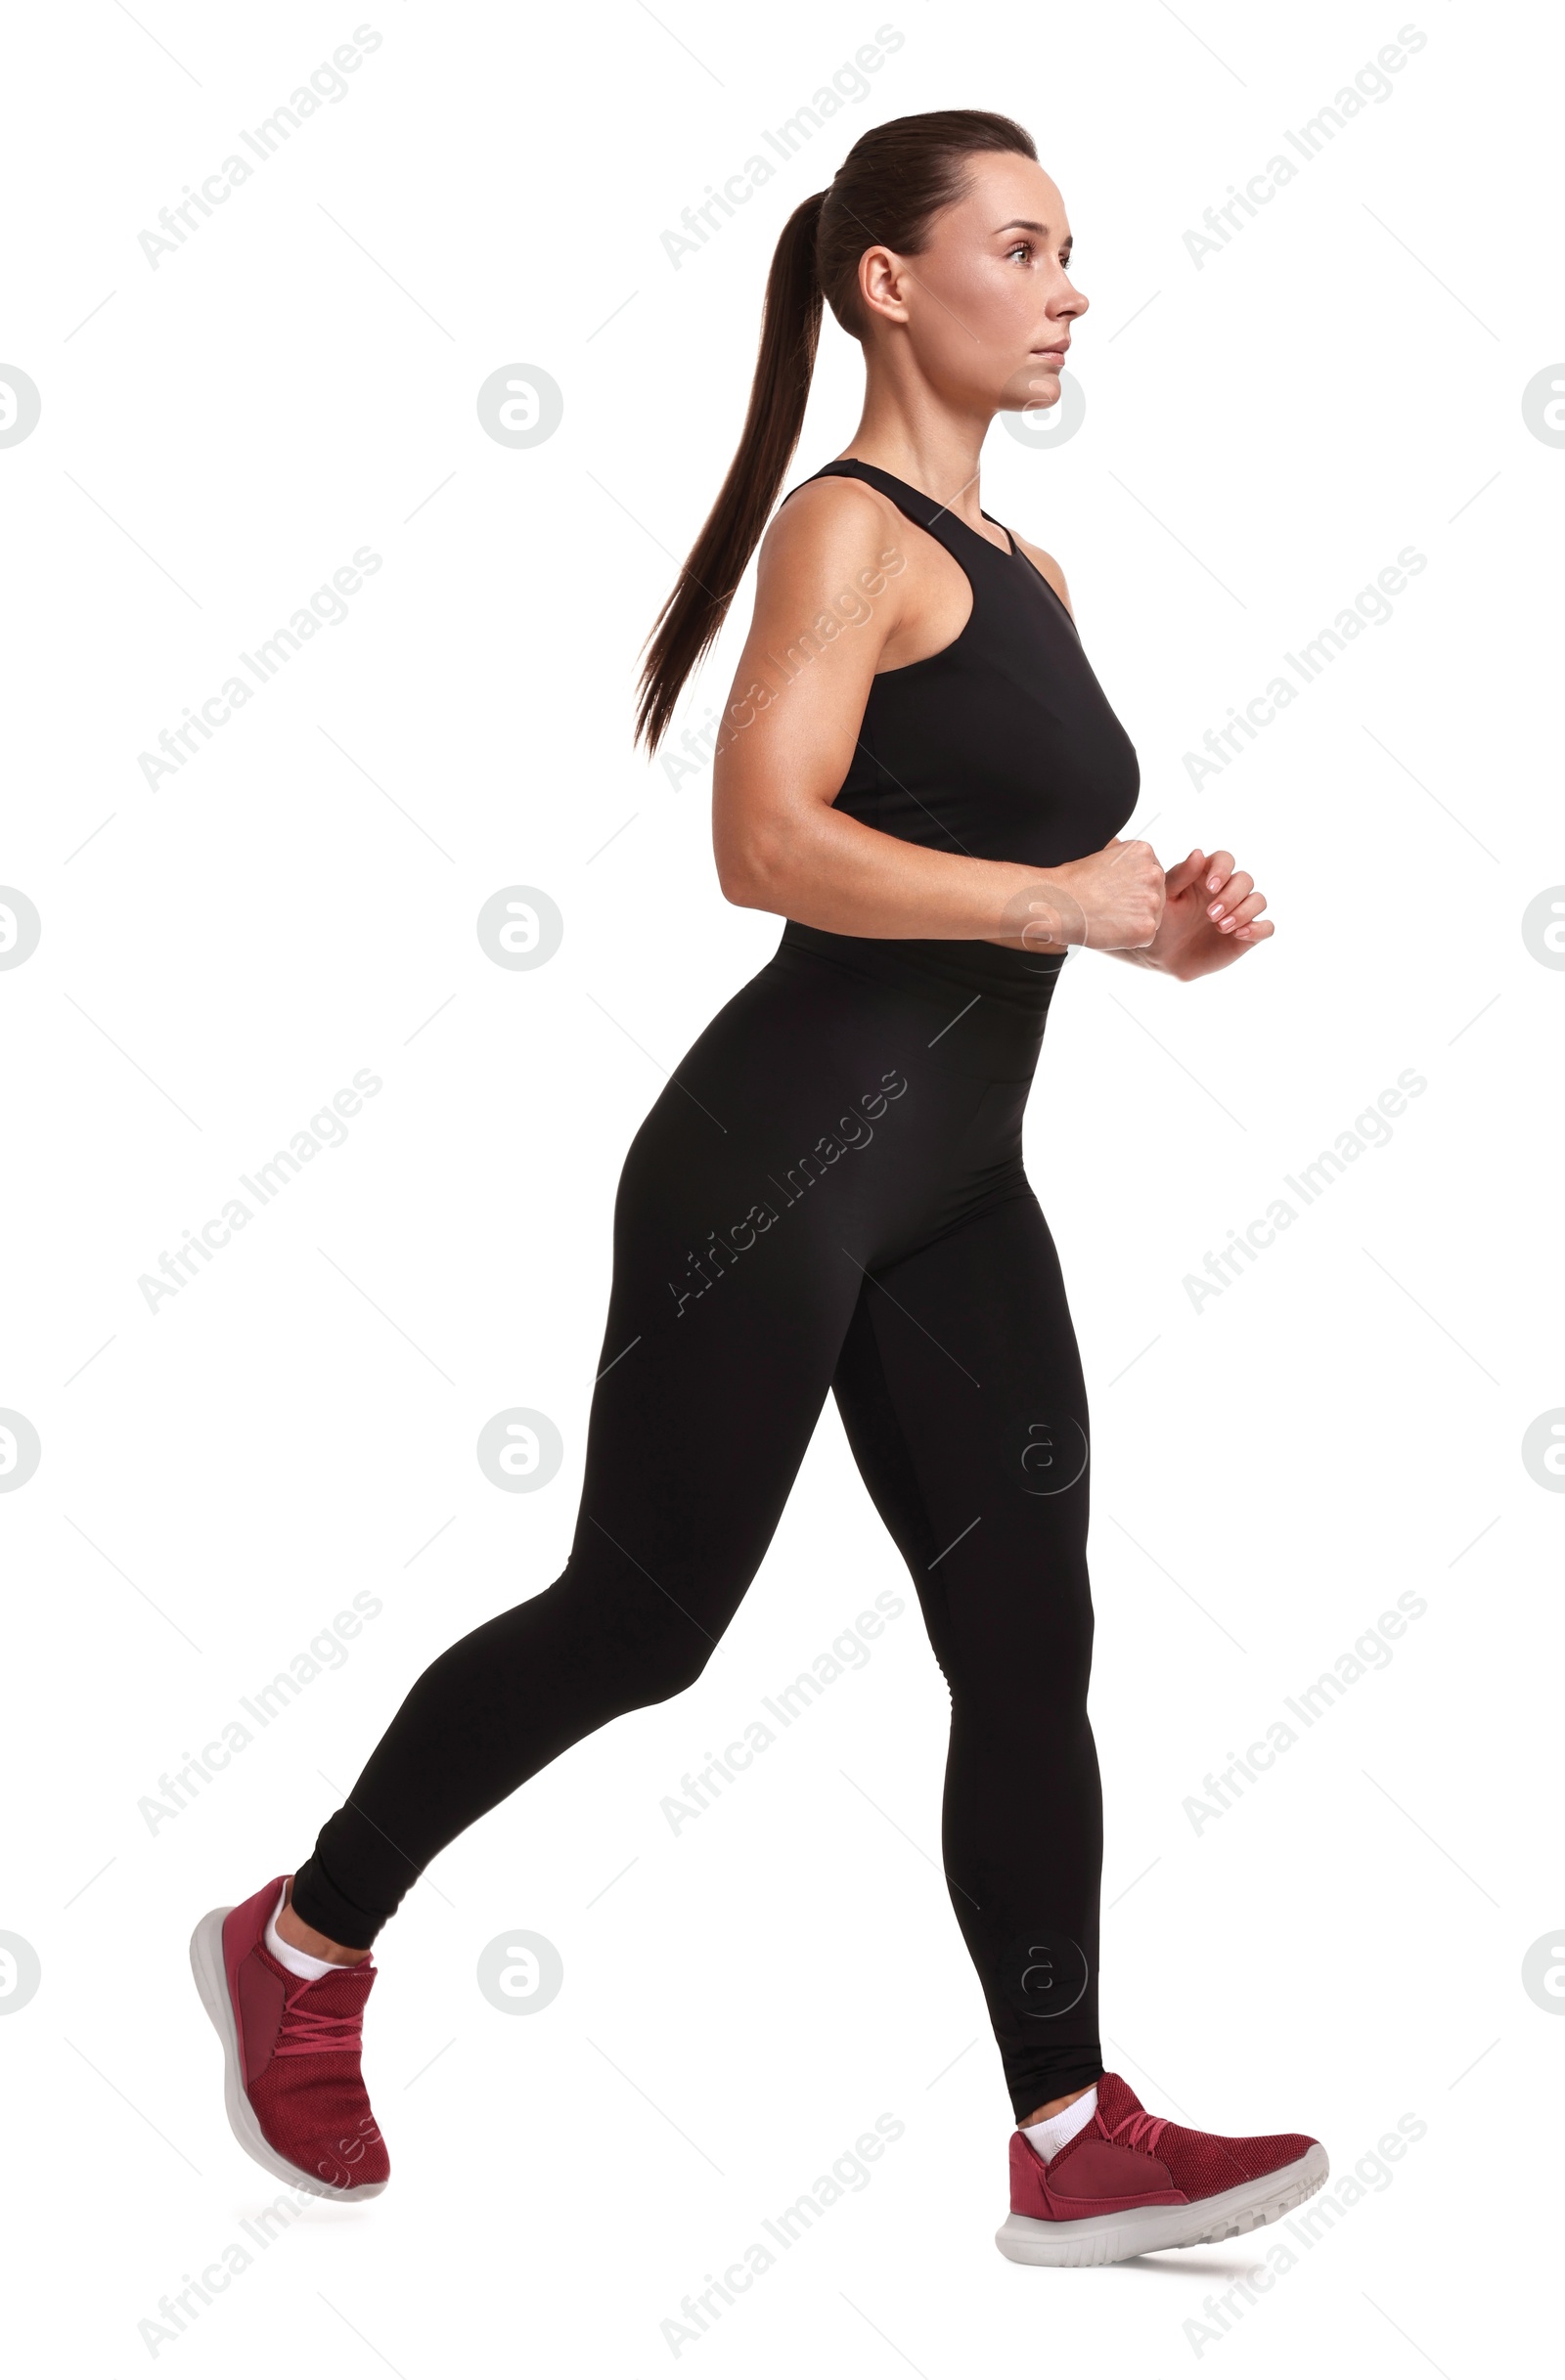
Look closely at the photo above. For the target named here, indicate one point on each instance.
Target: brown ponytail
(886, 193)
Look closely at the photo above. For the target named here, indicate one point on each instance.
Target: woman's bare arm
(835, 594)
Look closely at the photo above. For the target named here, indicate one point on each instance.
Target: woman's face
(987, 307)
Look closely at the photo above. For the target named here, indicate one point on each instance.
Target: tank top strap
(941, 523)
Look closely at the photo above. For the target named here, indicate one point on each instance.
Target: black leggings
(827, 1195)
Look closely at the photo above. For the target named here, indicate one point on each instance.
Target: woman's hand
(1110, 901)
(1211, 915)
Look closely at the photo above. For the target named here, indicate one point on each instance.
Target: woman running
(918, 771)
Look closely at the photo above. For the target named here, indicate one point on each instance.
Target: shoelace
(305, 2032)
(1141, 2131)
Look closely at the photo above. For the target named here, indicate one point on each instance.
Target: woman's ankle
(1051, 2107)
(292, 1930)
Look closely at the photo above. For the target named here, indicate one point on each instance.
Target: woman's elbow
(733, 878)
(750, 872)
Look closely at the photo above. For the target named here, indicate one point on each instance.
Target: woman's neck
(919, 440)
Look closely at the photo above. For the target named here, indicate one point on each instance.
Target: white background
(220, 955)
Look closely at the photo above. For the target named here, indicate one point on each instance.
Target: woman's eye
(1023, 248)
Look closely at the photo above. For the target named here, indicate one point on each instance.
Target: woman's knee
(644, 1646)
(672, 1668)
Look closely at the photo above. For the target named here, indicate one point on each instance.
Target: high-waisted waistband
(1017, 979)
(983, 1002)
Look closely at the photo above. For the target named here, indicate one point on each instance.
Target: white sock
(299, 1962)
(1050, 2136)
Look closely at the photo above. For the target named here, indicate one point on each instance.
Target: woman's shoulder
(842, 523)
(833, 507)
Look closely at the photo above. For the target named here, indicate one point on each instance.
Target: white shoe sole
(211, 1981)
(1108, 2239)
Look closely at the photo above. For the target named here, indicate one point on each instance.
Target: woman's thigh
(803, 1134)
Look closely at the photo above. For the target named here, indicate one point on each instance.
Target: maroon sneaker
(1128, 2182)
(291, 2085)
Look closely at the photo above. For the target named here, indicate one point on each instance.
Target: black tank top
(1000, 746)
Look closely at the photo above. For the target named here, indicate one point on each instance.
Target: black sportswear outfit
(829, 1195)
